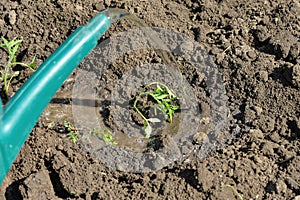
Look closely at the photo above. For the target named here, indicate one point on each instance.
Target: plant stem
(137, 110)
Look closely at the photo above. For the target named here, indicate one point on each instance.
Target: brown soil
(255, 46)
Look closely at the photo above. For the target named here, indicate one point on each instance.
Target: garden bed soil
(255, 46)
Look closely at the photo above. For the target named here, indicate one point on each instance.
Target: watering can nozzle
(1, 112)
(115, 14)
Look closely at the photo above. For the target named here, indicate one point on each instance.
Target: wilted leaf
(153, 120)
(148, 131)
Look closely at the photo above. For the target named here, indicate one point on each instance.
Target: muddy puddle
(98, 100)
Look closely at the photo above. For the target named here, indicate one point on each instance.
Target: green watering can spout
(19, 115)
(1, 111)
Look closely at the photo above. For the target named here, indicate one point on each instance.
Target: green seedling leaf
(73, 136)
(167, 106)
(170, 93)
(66, 124)
(6, 43)
(6, 76)
(167, 100)
(174, 107)
(159, 88)
(11, 76)
(32, 65)
(164, 99)
(12, 43)
(14, 50)
(15, 74)
(171, 112)
(163, 96)
(162, 109)
(106, 136)
(72, 131)
(158, 91)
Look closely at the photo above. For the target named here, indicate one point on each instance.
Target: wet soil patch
(255, 46)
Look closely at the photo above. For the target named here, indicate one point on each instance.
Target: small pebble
(296, 75)
(258, 160)
(13, 5)
(78, 7)
(263, 75)
(267, 149)
(12, 17)
(281, 187)
(267, 123)
(60, 147)
(98, 6)
(200, 137)
(292, 183)
(258, 110)
(251, 54)
(186, 46)
(2, 22)
(256, 133)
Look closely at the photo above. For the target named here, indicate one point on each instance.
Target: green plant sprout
(234, 191)
(72, 131)
(7, 75)
(164, 98)
(106, 136)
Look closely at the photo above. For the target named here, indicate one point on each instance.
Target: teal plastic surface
(22, 112)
